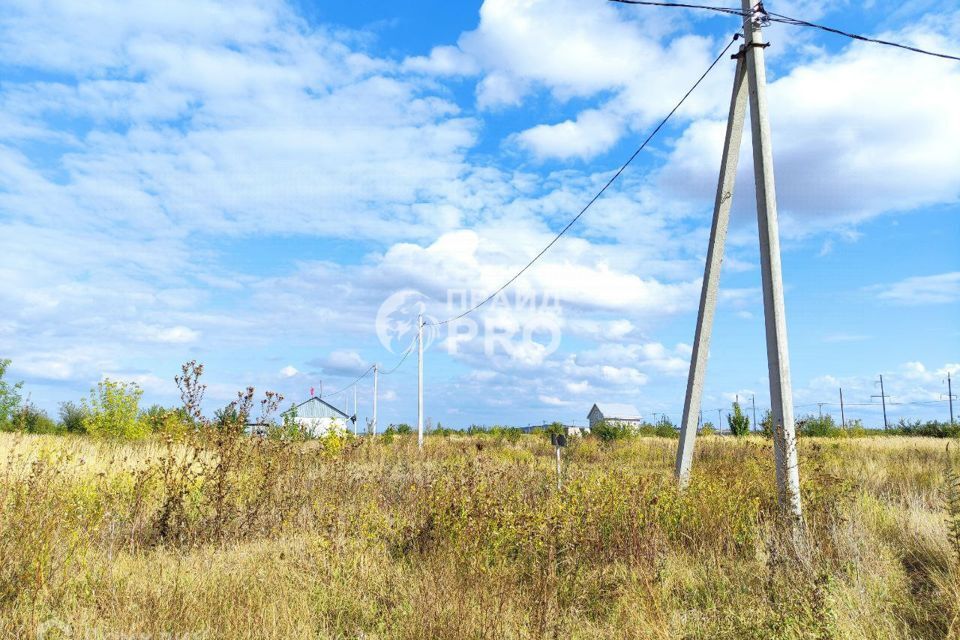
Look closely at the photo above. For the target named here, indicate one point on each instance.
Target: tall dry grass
(241, 538)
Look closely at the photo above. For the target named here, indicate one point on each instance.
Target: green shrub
(31, 419)
(819, 427)
(113, 411)
(929, 429)
(766, 424)
(665, 428)
(401, 429)
(608, 431)
(71, 417)
(738, 422)
(9, 397)
(708, 429)
(171, 422)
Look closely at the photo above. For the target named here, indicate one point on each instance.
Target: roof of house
(315, 399)
(612, 410)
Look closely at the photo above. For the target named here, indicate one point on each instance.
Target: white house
(317, 416)
(625, 414)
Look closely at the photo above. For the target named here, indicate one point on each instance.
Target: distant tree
(113, 411)
(399, 429)
(708, 429)
(555, 429)
(766, 424)
(9, 397)
(71, 417)
(738, 422)
(665, 428)
(31, 419)
(608, 430)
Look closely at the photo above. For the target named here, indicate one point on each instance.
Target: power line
(405, 354)
(358, 379)
(776, 17)
(766, 17)
(599, 193)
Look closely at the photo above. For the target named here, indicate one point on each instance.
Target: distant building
(317, 416)
(625, 414)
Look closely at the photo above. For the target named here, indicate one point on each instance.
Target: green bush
(71, 417)
(766, 424)
(738, 422)
(9, 398)
(31, 419)
(172, 422)
(708, 429)
(819, 427)
(665, 428)
(608, 431)
(401, 429)
(113, 411)
(929, 429)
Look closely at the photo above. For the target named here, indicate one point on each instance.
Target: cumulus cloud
(941, 288)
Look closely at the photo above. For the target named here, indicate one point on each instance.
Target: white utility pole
(711, 275)
(420, 382)
(843, 416)
(883, 400)
(750, 75)
(950, 396)
(373, 427)
(774, 312)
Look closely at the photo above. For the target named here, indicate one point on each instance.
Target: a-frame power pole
(749, 83)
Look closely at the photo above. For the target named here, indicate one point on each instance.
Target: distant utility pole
(843, 418)
(883, 398)
(749, 78)
(950, 396)
(753, 402)
(820, 408)
(420, 382)
(373, 425)
(355, 424)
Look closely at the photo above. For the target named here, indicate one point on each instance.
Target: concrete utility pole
(843, 418)
(883, 400)
(420, 382)
(753, 79)
(711, 274)
(950, 396)
(356, 425)
(373, 427)
(778, 358)
(753, 403)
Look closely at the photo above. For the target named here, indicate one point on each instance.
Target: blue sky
(247, 183)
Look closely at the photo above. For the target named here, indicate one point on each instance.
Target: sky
(276, 189)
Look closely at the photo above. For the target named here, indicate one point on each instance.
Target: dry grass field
(242, 538)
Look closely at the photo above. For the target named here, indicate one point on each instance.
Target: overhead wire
(599, 193)
(766, 16)
(406, 353)
(355, 381)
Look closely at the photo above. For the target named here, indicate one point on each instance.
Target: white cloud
(591, 133)
(289, 371)
(941, 288)
(854, 135)
(443, 61)
(341, 361)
